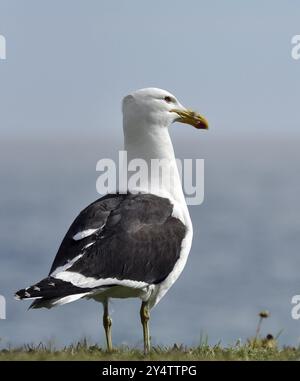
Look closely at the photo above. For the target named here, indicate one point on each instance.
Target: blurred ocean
(245, 254)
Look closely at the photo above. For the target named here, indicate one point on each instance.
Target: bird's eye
(168, 99)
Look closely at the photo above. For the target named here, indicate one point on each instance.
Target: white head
(157, 108)
(147, 114)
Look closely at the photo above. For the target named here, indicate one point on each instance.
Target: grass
(82, 351)
(256, 348)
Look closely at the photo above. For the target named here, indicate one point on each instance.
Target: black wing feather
(141, 241)
(92, 217)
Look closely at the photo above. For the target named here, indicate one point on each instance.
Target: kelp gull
(134, 244)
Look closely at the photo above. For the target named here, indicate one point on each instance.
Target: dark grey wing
(140, 241)
(91, 218)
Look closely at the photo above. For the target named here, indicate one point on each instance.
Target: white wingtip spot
(84, 234)
(88, 245)
(69, 264)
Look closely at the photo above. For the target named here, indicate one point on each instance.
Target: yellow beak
(192, 118)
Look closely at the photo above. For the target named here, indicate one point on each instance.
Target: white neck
(154, 142)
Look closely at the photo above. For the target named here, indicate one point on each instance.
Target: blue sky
(69, 63)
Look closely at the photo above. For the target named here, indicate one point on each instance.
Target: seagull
(134, 243)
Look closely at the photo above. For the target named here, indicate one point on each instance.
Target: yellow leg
(145, 316)
(107, 323)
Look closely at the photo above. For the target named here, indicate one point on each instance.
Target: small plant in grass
(269, 341)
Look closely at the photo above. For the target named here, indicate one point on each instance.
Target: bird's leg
(145, 316)
(107, 323)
